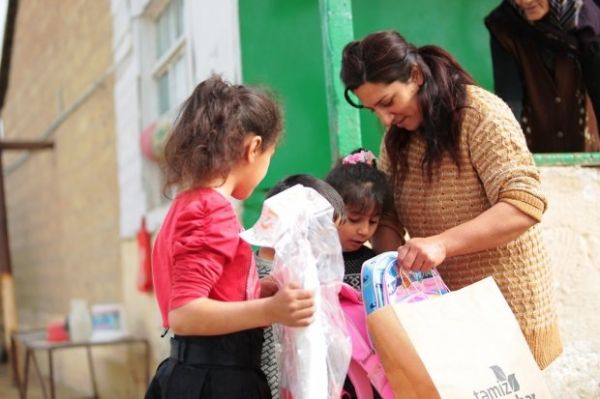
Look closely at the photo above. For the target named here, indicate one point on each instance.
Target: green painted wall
(282, 48)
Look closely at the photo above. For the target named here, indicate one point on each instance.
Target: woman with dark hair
(464, 184)
(546, 59)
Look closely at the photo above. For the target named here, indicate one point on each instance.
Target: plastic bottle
(80, 321)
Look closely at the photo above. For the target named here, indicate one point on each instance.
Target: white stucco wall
(127, 111)
(571, 228)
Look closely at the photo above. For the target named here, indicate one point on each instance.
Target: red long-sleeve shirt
(198, 253)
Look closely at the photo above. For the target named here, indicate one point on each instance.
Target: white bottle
(80, 321)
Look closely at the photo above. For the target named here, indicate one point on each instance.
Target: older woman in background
(546, 58)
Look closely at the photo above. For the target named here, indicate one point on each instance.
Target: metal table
(35, 340)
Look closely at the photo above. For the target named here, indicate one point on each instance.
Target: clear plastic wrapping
(383, 283)
(298, 224)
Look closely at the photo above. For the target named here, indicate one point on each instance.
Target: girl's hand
(268, 287)
(292, 306)
(421, 254)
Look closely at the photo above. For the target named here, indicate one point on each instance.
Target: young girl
(205, 277)
(364, 191)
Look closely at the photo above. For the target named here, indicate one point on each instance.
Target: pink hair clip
(359, 157)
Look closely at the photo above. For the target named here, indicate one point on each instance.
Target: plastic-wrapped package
(298, 224)
(383, 283)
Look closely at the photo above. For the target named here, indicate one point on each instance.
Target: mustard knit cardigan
(495, 165)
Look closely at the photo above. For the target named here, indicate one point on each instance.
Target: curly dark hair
(207, 139)
(386, 57)
(362, 186)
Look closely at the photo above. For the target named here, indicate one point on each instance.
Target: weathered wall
(571, 228)
(63, 204)
(143, 316)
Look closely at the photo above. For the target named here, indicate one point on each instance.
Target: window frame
(152, 67)
(162, 64)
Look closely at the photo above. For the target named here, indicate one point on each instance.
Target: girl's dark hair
(208, 137)
(386, 57)
(360, 185)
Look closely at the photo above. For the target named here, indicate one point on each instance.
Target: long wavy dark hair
(386, 57)
(208, 137)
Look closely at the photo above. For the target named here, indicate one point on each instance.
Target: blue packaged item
(382, 283)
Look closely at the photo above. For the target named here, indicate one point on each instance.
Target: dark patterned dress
(268, 361)
(353, 264)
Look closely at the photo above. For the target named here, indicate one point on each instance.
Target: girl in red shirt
(205, 278)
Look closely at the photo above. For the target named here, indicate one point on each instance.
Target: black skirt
(222, 366)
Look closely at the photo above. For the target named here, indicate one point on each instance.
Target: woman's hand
(292, 306)
(268, 287)
(421, 254)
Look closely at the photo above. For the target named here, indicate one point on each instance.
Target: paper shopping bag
(465, 344)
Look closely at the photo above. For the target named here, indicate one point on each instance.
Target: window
(170, 68)
(165, 84)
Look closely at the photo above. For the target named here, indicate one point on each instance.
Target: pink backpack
(365, 368)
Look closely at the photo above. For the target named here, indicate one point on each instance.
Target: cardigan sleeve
(206, 238)
(504, 164)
